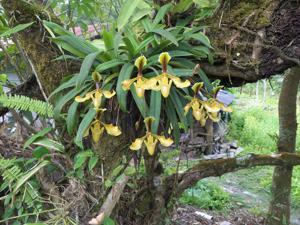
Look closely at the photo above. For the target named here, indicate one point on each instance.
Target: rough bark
(36, 44)
(234, 30)
(218, 167)
(279, 211)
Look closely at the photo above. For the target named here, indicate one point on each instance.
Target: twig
(111, 201)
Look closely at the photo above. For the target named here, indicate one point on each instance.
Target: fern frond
(20, 102)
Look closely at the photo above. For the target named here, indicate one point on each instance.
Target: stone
(225, 223)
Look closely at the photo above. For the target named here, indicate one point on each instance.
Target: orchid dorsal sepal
(96, 77)
(197, 87)
(139, 82)
(140, 62)
(164, 59)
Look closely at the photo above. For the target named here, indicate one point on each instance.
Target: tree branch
(218, 167)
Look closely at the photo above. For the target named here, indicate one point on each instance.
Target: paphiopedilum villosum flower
(150, 140)
(97, 127)
(140, 83)
(202, 110)
(97, 94)
(165, 80)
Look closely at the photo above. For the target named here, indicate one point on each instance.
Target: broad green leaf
(56, 28)
(72, 118)
(140, 14)
(108, 65)
(172, 116)
(34, 137)
(177, 104)
(65, 85)
(49, 143)
(144, 44)
(66, 98)
(108, 38)
(154, 110)
(140, 102)
(39, 152)
(93, 162)
(125, 74)
(206, 81)
(202, 38)
(16, 29)
(81, 158)
(161, 13)
(167, 35)
(126, 12)
(85, 68)
(84, 125)
(182, 6)
(3, 78)
(22, 180)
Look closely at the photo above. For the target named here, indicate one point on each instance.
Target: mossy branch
(218, 167)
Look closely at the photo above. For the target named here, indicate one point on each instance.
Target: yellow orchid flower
(140, 83)
(150, 140)
(97, 129)
(165, 80)
(96, 97)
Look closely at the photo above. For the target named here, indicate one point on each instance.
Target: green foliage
(147, 36)
(206, 195)
(3, 79)
(20, 188)
(19, 102)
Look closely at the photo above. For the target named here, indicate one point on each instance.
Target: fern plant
(20, 102)
(21, 190)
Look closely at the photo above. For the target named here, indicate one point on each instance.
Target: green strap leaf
(140, 103)
(182, 6)
(85, 68)
(108, 65)
(50, 144)
(66, 98)
(72, 118)
(202, 38)
(161, 13)
(155, 107)
(40, 134)
(22, 180)
(167, 35)
(84, 125)
(171, 113)
(125, 74)
(126, 12)
(177, 104)
(16, 29)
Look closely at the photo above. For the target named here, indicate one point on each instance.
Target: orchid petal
(164, 58)
(97, 131)
(137, 144)
(127, 83)
(140, 62)
(112, 130)
(165, 141)
(179, 83)
(108, 94)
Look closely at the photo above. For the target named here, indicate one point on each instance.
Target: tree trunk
(279, 211)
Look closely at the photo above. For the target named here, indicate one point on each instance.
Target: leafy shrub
(206, 195)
